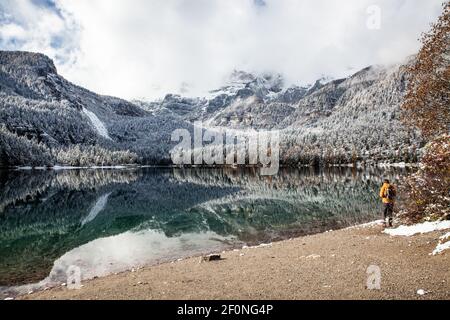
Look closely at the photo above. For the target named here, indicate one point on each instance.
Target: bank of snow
(97, 123)
(418, 228)
(368, 224)
(425, 227)
(444, 244)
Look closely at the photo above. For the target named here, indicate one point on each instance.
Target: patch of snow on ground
(445, 236)
(418, 228)
(262, 245)
(368, 224)
(442, 245)
(97, 123)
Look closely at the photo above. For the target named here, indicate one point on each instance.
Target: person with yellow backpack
(387, 195)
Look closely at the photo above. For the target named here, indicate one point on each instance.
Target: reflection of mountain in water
(294, 202)
(44, 214)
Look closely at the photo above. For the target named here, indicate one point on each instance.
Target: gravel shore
(331, 265)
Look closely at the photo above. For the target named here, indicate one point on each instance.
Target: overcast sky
(144, 48)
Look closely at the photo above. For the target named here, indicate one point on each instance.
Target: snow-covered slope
(338, 121)
(97, 123)
(44, 112)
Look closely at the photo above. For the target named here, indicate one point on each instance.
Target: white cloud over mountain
(141, 48)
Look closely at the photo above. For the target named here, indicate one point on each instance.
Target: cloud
(37, 26)
(141, 48)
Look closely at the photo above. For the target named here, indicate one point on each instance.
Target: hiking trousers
(388, 211)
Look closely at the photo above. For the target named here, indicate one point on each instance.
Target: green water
(106, 221)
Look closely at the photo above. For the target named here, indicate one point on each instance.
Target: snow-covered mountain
(45, 119)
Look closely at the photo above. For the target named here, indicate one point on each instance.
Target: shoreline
(40, 285)
(358, 165)
(328, 265)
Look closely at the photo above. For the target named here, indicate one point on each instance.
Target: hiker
(387, 195)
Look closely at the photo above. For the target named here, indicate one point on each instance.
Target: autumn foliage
(428, 189)
(427, 101)
(426, 107)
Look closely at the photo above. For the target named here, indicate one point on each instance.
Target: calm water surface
(107, 221)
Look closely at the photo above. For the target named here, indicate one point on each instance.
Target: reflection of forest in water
(44, 214)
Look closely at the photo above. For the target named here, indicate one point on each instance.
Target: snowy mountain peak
(239, 76)
(245, 84)
(36, 63)
(59, 121)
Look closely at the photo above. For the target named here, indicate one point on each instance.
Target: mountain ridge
(328, 122)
